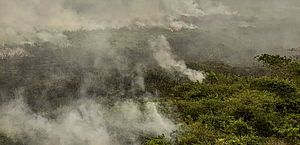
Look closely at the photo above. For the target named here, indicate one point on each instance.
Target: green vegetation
(233, 106)
(229, 108)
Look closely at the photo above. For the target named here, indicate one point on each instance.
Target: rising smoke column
(84, 123)
(163, 55)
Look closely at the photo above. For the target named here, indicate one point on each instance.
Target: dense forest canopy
(157, 72)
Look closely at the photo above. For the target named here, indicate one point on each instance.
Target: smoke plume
(104, 53)
(165, 58)
(85, 122)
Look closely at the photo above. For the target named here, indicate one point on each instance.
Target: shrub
(160, 140)
(239, 128)
(200, 107)
(289, 128)
(251, 102)
(200, 91)
(239, 140)
(196, 133)
(278, 86)
(264, 126)
(256, 108)
(289, 105)
(274, 141)
(215, 122)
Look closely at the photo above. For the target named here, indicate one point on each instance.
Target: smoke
(84, 122)
(165, 58)
(6, 53)
(238, 26)
(45, 20)
(269, 26)
(104, 59)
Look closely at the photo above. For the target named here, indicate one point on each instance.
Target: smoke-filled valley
(102, 72)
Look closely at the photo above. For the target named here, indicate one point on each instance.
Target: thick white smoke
(163, 55)
(44, 20)
(85, 122)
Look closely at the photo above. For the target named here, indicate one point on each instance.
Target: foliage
(160, 140)
(233, 106)
(281, 87)
(232, 109)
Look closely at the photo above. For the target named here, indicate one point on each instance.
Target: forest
(243, 105)
(149, 72)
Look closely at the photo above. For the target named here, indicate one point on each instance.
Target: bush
(239, 140)
(196, 133)
(200, 91)
(289, 105)
(215, 122)
(289, 128)
(264, 126)
(278, 86)
(252, 102)
(160, 140)
(274, 141)
(239, 128)
(256, 108)
(200, 107)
